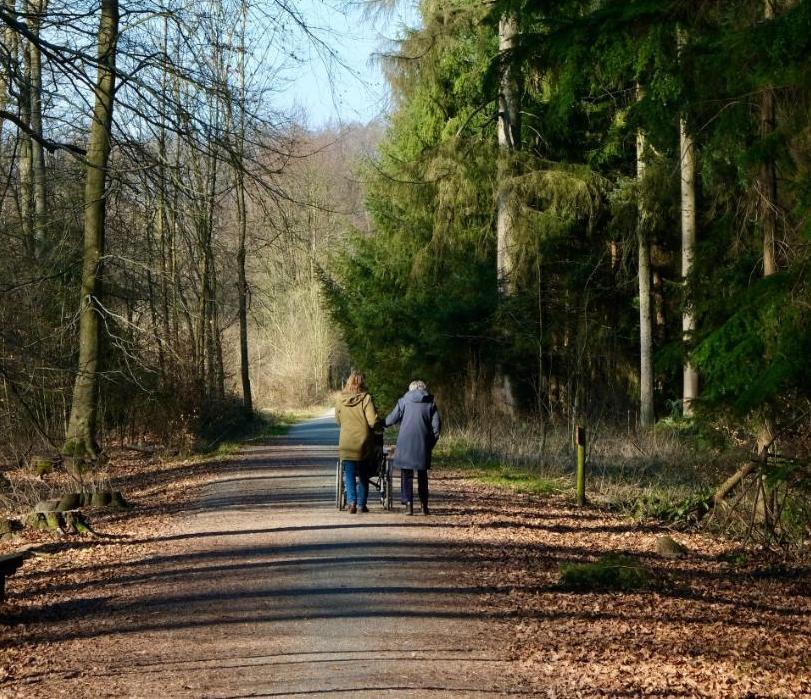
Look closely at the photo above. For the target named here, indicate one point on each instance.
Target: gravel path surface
(267, 590)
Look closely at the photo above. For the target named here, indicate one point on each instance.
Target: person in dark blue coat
(417, 414)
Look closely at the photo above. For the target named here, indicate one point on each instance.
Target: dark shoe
(364, 509)
(425, 510)
(353, 509)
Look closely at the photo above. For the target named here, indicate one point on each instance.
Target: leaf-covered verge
(53, 581)
(713, 623)
(724, 625)
(220, 434)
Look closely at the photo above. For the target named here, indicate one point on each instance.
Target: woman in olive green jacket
(357, 417)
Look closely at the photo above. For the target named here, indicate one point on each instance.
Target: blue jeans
(355, 495)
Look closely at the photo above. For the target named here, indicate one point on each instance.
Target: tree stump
(9, 527)
(47, 505)
(101, 498)
(71, 501)
(112, 499)
(73, 522)
(117, 501)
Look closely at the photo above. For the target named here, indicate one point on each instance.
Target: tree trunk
(210, 286)
(150, 285)
(164, 231)
(645, 315)
(242, 283)
(509, 141)
(10, 47)
(37, 9)
(80, 440)
(688, 245)
(25, 173)
(768, 173)
(768, 217)
(242, 216)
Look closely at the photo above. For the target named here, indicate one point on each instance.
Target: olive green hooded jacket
(357, 417)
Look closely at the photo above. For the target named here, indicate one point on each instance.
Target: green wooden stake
(580, 438)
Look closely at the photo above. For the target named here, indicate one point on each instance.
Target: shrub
(610, 572)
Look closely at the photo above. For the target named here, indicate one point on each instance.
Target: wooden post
(580, 440)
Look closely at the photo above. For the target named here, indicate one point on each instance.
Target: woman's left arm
(370, 412)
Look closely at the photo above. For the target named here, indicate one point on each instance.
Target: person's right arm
(395, 415)
(338, 414)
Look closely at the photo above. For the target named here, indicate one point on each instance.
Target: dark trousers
(407, 486)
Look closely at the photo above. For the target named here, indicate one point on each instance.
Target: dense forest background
(581, 212)
(597, 213)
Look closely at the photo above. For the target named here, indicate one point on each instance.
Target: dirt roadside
(249, 583)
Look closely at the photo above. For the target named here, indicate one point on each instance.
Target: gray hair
(415, 385)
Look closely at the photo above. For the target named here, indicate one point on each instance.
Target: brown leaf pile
(58, 576)
(712, 630)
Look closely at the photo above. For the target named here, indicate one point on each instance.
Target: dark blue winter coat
(419, 429)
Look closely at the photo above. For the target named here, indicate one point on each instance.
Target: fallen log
(706, 506)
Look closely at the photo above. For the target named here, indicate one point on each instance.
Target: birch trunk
(80, 440)
(645, 315)
(688, 245)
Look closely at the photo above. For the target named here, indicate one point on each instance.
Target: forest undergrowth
(595, 610)
(37, 479)
(661, 476)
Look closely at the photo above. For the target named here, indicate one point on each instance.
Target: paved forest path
(267, 590)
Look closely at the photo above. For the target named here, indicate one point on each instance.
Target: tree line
(142, 167)
(594, 211)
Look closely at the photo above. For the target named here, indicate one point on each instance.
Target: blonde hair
(356, 383)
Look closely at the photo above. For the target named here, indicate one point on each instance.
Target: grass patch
(662, 474)
(482, 467)
(521, 481)
(610, 572)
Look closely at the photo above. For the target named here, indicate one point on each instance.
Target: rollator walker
(380, 478)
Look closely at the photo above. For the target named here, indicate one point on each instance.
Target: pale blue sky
(323, 89)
